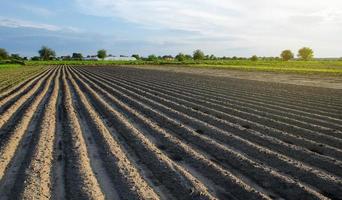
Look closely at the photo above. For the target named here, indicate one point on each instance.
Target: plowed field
(127, 133)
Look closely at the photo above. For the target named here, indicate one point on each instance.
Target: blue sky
(221, 27)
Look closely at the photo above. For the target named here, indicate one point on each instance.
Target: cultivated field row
(12, 75)
(125, 133)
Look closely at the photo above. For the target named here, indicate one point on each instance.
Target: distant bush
(254, 58)
(305, 53)
(198, 55)
(20, 62)
(102, 54)
(77, 56)
(35, 58)
(152, 57)
(287, 55)
(180, 57)
(46, 53)
(136, 56)
(3, 54)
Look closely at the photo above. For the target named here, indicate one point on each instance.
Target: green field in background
(310, 67)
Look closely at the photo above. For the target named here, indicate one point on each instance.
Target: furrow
(223, 83)
(37, 185)
(214, 172)
(9, 147)
(12, 181)
(286, 105)
(58, 176)
(10, 88)
(315, 123)
(289, 90)
(126, 176)
(5, 115)
(81, 182)
(24, 86)
(226, 92)
(174, 177)
(315, 147)
(251, 117)
(309, 101)
(248, 166)
(264, 91)
(288, 118)
(216, 97)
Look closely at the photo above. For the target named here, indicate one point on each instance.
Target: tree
(152, 57)
(188, 57)
(77, 56)
(16, 57)
(46, 53)
(198, 55)
(305, 53)
(136, 56)
(35, 58)
(286, 55)
(254, 58)
(212, 57)
(3, 54)
(180, 57)
(102, 54)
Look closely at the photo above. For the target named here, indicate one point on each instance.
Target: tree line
(46, 53)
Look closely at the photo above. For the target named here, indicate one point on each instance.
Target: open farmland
(128, 133)
(11, 75)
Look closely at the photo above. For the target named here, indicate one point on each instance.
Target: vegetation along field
(128, 133)
(12, 74)
(326, 67)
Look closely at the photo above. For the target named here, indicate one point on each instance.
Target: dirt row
(125, 133)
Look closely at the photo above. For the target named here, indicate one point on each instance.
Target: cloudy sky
(221, 27)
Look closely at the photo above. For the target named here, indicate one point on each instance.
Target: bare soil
(315, 80)
(170, 133)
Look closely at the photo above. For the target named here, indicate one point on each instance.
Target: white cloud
(17, 23)
(265, 25)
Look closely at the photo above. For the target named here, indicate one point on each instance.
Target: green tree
(180, 57)
(136, 56)
(212, 57)
(152, 57)
(3, 54)
(35, 58)
(16, 57)
(305, 53)
(102, 54)
(286, 55)
(77, 56)
(198, 55)
(188, 57)
(254, 58)
(46, 53)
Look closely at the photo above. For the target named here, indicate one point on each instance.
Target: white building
(113, 58)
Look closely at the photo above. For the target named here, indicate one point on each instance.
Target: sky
(163, 27)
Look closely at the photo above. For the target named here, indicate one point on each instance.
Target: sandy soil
(334, 82)
(132, 133)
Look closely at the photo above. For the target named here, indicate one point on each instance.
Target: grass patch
(301, 67)
(12, 74)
